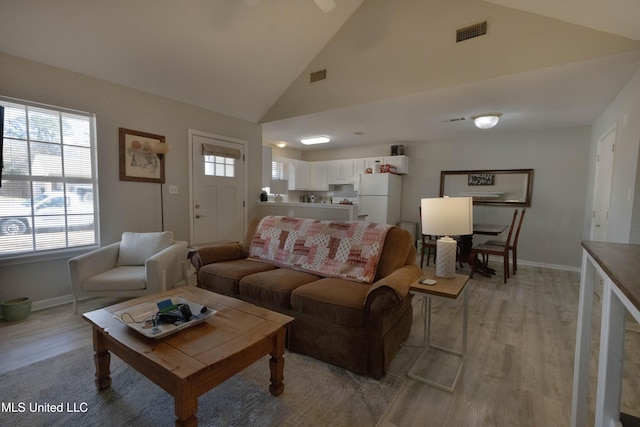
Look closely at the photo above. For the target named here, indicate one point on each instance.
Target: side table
(447, 289)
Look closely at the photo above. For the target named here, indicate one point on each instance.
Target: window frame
(36, 255)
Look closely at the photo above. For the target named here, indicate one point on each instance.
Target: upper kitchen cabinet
(308, 176)
(318, 176)
(341, 171)
(400, 162)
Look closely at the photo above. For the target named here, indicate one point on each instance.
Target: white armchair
(141, 263)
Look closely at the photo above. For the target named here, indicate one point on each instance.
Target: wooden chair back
(515, 239)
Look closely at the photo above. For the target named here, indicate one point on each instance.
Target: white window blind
(48, 179)
(277, 170)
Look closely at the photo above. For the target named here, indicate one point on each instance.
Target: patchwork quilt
(346, 250)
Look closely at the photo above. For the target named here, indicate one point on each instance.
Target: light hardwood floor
(519, 364)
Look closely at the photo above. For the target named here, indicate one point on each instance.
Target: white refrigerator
(379, 197)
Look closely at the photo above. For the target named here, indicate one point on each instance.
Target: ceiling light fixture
(486, 121)
(315, 140)
(281, 144)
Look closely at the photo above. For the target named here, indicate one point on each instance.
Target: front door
(217, 188)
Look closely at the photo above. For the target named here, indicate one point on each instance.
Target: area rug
(60, 392)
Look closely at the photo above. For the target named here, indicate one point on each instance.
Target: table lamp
(447, 216)
(278, 187)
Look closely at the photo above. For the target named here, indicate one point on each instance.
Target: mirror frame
(527, 196)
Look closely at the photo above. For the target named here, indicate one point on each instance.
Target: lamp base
(446, 257)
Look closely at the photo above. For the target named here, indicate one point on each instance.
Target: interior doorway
(217, 188)
(605, 160)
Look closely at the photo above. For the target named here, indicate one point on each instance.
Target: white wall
(553, 225)
(624, 213)
(124, 205)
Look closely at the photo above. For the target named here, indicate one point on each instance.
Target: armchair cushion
(135, 248)
(125, 278)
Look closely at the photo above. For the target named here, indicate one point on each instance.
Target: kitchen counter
(325, 211)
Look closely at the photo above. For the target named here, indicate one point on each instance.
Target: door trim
(245, 144)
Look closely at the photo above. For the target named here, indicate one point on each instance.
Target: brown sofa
(357, 326)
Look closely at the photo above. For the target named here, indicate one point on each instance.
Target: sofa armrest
(398, 281)
(91, 263)
(218, 253)
(386, 298)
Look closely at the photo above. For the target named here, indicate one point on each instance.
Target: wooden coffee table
(193, 361)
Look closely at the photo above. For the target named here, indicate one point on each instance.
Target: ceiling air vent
(316, 76)
(472, 31)
(454, 119)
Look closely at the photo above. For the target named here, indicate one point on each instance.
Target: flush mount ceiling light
(486, 121)
(281, 144)
(315, 140)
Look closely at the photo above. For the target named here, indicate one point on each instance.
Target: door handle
(199, 216)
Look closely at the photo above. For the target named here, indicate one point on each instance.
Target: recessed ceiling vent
(472, 31)
(454, 119)
(316, 76)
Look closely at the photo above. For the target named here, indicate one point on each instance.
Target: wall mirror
(489, 187)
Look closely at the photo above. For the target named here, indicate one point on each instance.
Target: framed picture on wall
(141, 156)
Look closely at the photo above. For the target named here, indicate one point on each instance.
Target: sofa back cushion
(344, 249)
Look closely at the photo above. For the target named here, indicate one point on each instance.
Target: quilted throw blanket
(347, 250)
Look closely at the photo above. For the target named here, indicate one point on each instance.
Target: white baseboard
(52, 302)
(537, 264)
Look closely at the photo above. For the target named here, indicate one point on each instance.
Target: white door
(217, 188)
(602, 189)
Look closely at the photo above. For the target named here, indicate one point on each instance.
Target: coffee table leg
(186, 408)
(102, 360)
(276, 364)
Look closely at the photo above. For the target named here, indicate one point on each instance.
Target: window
(49, 179)
(220, 160)
(219, 166)
(277, 170)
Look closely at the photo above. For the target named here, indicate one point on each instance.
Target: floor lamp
(447, 216)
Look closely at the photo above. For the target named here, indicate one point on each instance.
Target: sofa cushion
(274, 287)
(224, 277)
(335, 300)
(127, 278)
(135, 248)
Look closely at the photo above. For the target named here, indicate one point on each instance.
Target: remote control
(428, 281)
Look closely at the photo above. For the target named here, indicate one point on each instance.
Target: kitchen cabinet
(318, 176)
(300, 175)
(400, 162)
(308, 176)
(340, 171)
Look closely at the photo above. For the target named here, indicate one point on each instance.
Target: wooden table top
(621, 262)
(489, 229)
(235, 326)
(447, 288)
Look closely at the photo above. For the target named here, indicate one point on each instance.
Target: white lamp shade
(279, 186)
(447, 216)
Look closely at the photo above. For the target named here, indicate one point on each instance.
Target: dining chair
(513, 247)
(428, 244)
(486, 249)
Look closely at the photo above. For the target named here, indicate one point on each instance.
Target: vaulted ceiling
(394, 71)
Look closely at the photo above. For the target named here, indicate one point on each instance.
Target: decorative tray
(143, 318)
